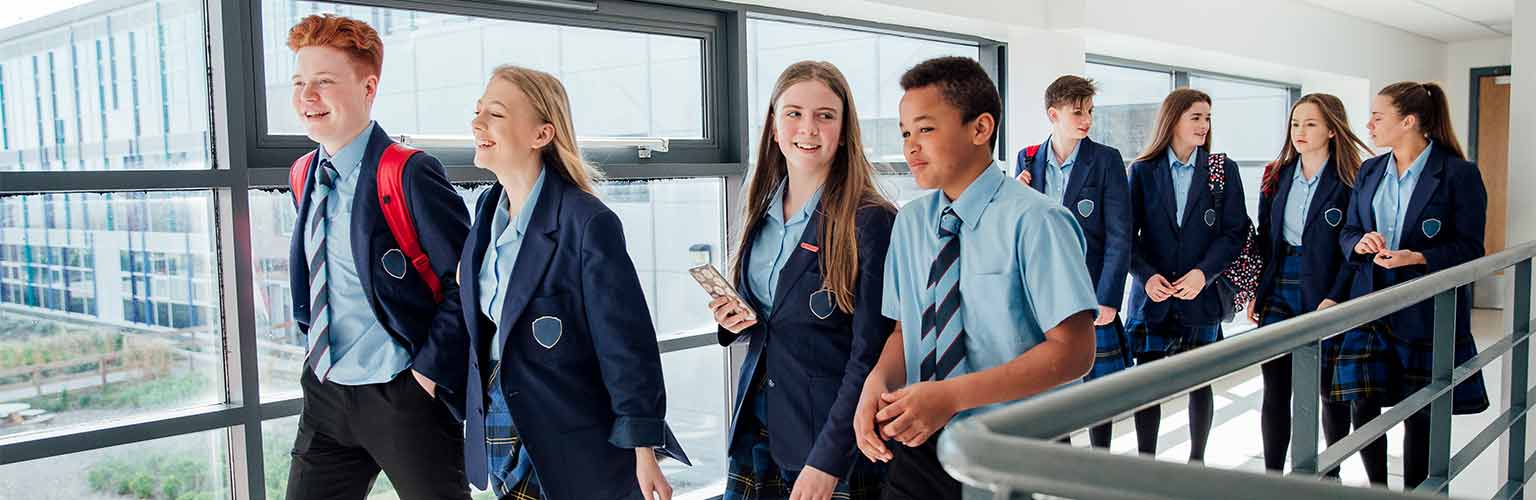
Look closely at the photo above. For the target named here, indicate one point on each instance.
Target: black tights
(1275, 415)
(1202, 409)
(1415, 447)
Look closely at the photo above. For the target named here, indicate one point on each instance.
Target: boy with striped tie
(985, 276)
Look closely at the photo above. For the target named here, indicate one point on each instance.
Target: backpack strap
(298, 177)
(1217, 163)
(397, 214)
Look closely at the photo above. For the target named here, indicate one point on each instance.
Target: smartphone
(716, 286)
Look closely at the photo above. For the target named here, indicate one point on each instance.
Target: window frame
(1180, 76)
(243, 157)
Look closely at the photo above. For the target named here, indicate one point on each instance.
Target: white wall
(1522, 122)
(1460, 58)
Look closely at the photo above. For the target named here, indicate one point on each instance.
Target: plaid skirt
(1169, 337)
(1374, 365)
(1349, 375)
(1112, 352)
(753, 475)
(512, 475)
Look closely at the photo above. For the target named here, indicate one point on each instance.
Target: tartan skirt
(504, 452)
(1352, 366)
(1169, 337)
(1112, 351)
(753, 475)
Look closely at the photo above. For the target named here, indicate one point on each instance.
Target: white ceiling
(1444, 20)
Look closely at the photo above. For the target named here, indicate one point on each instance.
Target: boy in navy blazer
(383, 355)
(1089, 179)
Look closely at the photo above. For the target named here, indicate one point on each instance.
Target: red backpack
(391, 201)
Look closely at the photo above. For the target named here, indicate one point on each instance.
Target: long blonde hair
(850, 184)
(547, 96)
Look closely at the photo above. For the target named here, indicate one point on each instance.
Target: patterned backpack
(1237, 283)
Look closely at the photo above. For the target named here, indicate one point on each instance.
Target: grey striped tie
(943, 336)
(319, 354)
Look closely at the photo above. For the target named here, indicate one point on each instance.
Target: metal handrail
(1013, 448)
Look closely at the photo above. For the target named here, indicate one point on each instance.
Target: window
(1249, 117)
(190, 466)
(92, 336)
(872, 63)
(1125, 109)
(1250, 122)
(621, 84)
(113, 86)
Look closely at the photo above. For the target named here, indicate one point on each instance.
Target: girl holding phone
(810, 261)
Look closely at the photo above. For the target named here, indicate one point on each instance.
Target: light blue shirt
(1390, 203)
(496, 268)
(1057, 175)
(1022, 268)
(1183, 178)
(776, 241)
(362, 352)
(1297, 203)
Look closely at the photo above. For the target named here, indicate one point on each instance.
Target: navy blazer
(1450, 193)
(815, 367)
(581, 405)
(1165, 248)
(432, 332)
(1099, 195)
(1325, 272)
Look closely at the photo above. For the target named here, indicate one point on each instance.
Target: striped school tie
(943, 337)
(319, 354)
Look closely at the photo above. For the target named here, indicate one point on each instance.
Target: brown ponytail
(1426, 101)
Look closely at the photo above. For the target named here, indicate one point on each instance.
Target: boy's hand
(916, 412)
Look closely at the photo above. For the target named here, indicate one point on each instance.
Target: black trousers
(347, 434)
(916, 474)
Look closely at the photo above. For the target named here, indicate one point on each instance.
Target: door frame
(1475, 92)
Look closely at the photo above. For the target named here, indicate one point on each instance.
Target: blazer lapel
(469, 266)
(1429, 179)
(1277, 207)
(1198, 187)
(1327, 184)
(366, 216)
(300, 273)
(1080, 171)
(799, 261)
(538, 248)
(1164, 180)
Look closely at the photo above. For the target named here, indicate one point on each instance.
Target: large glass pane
(1125, 109)
(653, 212)
(188, 467)
(621, 84)
(872, 63)
(698, 413)
(1250, 122)
(103, 85)
(108, 307)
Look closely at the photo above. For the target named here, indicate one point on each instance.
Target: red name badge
(809, 247)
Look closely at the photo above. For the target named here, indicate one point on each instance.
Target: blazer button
(770, 383)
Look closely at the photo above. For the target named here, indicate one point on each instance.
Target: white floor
(1235, 442)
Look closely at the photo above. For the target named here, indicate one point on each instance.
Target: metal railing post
(1440, 370)
(1517, 366)
(1305, 381)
